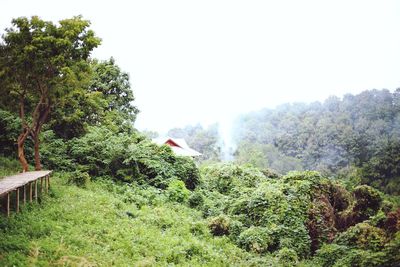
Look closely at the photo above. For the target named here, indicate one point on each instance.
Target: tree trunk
(40, 116)
(36, 142)
(21, 154)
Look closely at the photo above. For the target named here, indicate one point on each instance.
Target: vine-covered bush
(363, 236)
(296, 215)
(287, 257)
(255, 239)
(79, 178)
(129, 157)
(177, 191)
(219, 225)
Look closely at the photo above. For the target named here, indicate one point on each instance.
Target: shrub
(226, 177)
(363, 236)
(54, 152)
(177, 191)
(255, 239)
(287, 257)
(368, 201)
(235, 228)
(9, 166)
(219, 225)
(79, 178)
(328, 254)
(196, 199)
(321, 222)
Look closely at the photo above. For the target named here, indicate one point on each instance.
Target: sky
(208, 61)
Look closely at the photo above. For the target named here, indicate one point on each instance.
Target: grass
(9, 167)
(113, 225)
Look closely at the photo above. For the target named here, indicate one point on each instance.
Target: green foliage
(40, 64)
(255, 239)
(266, 156)
(9, 166)
(226, 177)
(79, 178)
(328, 254)
(54, 152)
(287, 257)
(363, 236)
(219, 225)
(177, 191)
(368, 201)
(115, 87)
(10, 126)
(102, 152)
(123, 156)
(360, 131)
(382, 170)
(196, 199)
(253, 200)
(93, 227)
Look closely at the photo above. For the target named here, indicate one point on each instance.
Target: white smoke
(226, 142)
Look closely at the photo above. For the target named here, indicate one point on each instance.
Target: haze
(207, 61)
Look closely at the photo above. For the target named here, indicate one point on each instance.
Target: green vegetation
(356, 136)
(108, 224)
(119, 199)
(241, 218)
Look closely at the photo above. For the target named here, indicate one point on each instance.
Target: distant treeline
(358, 136)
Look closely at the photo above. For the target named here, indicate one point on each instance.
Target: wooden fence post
(17, 200)
(41, 186)
(30, 192)
(24, 192)
(8, 205)
(46, 184)
(36, 191)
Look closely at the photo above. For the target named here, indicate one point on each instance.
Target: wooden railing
(28, 183)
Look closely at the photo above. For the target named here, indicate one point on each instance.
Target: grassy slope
(91, 227)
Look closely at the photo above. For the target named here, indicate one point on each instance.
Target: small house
(178, 146)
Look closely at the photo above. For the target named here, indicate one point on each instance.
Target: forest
(309, 184)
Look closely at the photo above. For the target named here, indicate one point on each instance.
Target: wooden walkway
(28, 182)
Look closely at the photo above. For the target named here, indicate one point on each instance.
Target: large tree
(40, 62)
(115, 87)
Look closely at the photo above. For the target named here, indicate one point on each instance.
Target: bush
(255, 239)
(287, 257)
(124, 156)
(79, 178)
(368, 201)
(9, 166)
(177, 191)
(328, 254)
(235, 228)
(226, 177)
(363, 236)
(219, 225)
(196, 199)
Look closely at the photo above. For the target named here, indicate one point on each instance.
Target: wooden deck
(28, 182)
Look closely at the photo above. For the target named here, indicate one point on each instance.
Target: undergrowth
(113, 225)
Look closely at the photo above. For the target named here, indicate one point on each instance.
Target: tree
(40, 62)
(115, 87)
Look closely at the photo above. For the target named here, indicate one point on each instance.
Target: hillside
(310, 185)
(107, 224)
(225, 222)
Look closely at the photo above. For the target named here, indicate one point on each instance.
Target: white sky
(206, 61)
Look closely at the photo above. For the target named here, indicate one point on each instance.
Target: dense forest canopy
(120, 199)
(361, 131)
